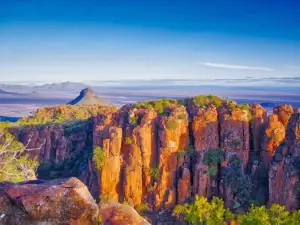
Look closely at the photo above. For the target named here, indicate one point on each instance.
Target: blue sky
(110, 40)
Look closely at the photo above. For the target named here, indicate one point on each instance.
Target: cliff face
(53, 143)
(155, 155)
(284, 172)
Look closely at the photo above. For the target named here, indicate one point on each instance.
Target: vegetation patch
(134, 120)
(172, 124)
(213, 157)
(98, 157)
(63, 113)
(142, 208)
(159, 105)
(15, 164)
(203, 212)
(128, 140)
(203, 100)
(240, 183)
(154, 173)
(244, 107)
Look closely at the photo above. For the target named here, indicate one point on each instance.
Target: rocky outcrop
(205, 127)
(153, 154)
(65, 201)
(139, 152)
(205, 130)
(284, 113)
(173, 139)
(59, 202)
(284, 172)
(234, 132)
(274, 134)
(118, 214)
(258, 125)
(108, 137)
(54, 143)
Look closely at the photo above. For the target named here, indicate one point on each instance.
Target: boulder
(55, 202)
(118, 214)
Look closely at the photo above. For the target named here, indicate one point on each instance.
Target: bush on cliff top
(244, 107)
(202, 100)
(159, 105)
(62, 113)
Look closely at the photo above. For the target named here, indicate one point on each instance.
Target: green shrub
(159, 105)
(276, 215)
(203, 100)
(171, 124)
(128, 140)
(154, 173)
(142, 208)
(179, 210)
(98, 157)
(203, 212)
(240, 183)
(213, 157)
(134, 120)
(212, 171)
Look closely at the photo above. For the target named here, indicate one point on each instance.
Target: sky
(77, 40)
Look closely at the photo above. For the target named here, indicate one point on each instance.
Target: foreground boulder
(62, 201)
(118, 214)
(59, 202)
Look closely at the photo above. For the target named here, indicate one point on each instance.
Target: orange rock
(274, 134)
(109, 138)
(118, 214)
(234, 132)
(62, 201)
(258, 125)
(184, 185)
(173, 138)
(284, 181)
(284, 113)
(205, 128)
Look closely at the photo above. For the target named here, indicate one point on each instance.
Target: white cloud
(235, 67)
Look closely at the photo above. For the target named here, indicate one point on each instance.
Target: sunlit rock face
(284, 169)
(155, 156)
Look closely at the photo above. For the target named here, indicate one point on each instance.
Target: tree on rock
(15, 164)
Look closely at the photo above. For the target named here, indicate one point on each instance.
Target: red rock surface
(284, 113)
(274, 134)
(65, 201)
(258, 125)
(145, 157)
(284, 180)
(118, 214)
(234, 132)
